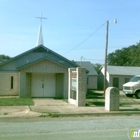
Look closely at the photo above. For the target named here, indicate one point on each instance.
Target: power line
(85, 39)
(99, 48)
(91, 59)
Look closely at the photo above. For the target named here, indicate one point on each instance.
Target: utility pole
(81, 61)
(106, 49)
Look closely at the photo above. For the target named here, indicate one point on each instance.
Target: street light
(106, 49)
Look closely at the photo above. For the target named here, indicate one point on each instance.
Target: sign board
(74, 74)
(74, 80)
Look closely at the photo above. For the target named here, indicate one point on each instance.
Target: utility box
(112, 96)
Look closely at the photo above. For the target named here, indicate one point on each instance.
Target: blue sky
(69, 22)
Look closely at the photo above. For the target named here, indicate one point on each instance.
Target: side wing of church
(39, 72)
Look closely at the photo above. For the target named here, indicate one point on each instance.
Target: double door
(43, 85)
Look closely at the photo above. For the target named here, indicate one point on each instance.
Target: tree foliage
(126, 56)
(2, 56)
(97, 67)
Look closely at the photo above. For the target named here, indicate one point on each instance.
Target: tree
(4, 58)
(126, 56)
(97, 67)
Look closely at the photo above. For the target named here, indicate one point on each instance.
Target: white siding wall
(101, 79)
(110, 79)
(121, 80)
(92, 82)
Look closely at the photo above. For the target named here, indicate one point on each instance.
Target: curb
(56, 115)
(48, 114)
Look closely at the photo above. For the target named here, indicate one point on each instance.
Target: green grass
(97, 98)
(53, 115)
(16, 101)
(128, 103)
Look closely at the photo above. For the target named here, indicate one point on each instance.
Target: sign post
(77, 86)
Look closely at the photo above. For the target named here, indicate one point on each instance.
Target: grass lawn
(97, 98)
(16, 101)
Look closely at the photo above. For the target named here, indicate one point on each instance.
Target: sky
(74, 29)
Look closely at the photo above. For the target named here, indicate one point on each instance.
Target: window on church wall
(12, 82)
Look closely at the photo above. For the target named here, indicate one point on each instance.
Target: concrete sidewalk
(51, 106)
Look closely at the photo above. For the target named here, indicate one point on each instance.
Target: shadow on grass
(96, 95)
(128, 103)
(100, 103)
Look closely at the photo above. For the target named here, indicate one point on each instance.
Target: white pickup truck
(132, 87)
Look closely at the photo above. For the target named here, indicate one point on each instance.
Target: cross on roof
(41, 18)
(40, 34)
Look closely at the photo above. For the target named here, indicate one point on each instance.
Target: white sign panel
(74, 80)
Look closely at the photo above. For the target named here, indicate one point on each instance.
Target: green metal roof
(36, 54)
(123, 70)
(88, 66)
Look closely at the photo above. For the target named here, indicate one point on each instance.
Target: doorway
(116, 82)
(43, 85)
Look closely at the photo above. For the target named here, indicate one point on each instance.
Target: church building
(39, 72)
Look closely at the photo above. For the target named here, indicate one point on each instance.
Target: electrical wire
(85, 39)
(91, 59)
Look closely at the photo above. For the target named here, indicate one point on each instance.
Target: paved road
(78, 128)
